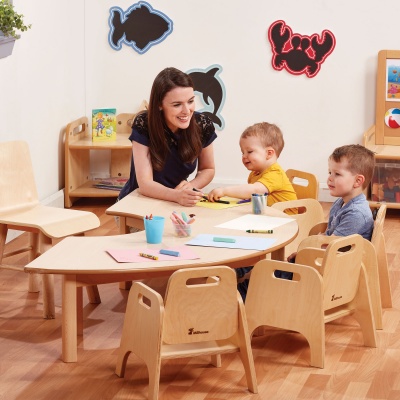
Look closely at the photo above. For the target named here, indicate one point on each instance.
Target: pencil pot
(154, 228)
(258, 203)
(182, 230)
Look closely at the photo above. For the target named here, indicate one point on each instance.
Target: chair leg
(245, 350)
(372, 272)
(121, 362)
(317, 350)
(384, 281)
(363, 311)
(154, 379)
(315, 335)
(34, 280)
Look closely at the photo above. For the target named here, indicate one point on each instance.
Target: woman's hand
(188, 197)
(184, 185)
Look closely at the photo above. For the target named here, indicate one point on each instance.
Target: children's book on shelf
(104, 124)
(113, 183)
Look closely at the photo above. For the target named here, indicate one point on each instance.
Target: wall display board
(299, 54)
(387, 122)
(139, 27)
(208, 84)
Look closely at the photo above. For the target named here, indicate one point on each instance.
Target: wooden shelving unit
(383, 153)
(78, 144)
(382, 139)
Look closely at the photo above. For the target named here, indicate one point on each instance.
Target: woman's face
(178, 107)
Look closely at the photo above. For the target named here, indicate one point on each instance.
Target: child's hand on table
(215, 194)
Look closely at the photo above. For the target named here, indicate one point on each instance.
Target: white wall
(63, 67)
(42, 85)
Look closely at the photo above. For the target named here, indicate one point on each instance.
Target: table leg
(123, 227)
(79, 310)
(69, 319)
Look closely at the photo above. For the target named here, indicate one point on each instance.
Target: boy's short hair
(360, 160)
(269, 134)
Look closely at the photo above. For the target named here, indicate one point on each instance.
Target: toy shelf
(388, 154)
(79, 144)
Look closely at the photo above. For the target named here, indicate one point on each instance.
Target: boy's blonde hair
(360, 160)
(269, 134)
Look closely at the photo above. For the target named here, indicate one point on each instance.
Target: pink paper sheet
(132, 255)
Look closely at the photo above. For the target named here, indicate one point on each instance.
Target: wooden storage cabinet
(78, 144)
(384, 154)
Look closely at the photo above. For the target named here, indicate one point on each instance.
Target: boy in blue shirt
(350, 170)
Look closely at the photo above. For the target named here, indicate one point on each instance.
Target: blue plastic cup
(154, 229)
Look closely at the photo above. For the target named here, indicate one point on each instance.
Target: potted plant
(10, 23)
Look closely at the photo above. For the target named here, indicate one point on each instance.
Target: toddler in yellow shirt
(261, 145)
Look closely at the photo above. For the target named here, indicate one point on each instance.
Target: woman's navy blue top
(175, 170)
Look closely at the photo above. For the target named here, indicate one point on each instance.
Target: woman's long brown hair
(190, 144)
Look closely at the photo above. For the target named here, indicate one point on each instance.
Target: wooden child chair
(327, 284)
(197, 317)
(21, 210)
(370, 262)
(307, 191)
(375, 261)
(310, 213)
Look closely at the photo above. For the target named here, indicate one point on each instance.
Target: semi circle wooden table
(83, 261)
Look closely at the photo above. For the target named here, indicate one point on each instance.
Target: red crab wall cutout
(299, 54)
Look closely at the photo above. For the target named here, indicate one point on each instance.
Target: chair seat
(52, 221)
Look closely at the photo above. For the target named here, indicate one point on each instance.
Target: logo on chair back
(193, 332)
(335, 298)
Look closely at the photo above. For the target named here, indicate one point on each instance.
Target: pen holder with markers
(182, 224)
(258, 203)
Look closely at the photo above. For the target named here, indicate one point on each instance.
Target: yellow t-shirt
(277, 183)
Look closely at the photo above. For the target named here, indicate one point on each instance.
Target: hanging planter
(6, 46)
(10, 23)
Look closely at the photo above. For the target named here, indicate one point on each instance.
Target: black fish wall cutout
(212, 90)
(139, 27)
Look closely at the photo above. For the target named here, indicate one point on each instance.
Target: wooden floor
(30, 348)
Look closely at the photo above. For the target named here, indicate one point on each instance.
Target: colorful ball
(392, 118)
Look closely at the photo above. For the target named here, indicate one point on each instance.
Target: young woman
(169, 141)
